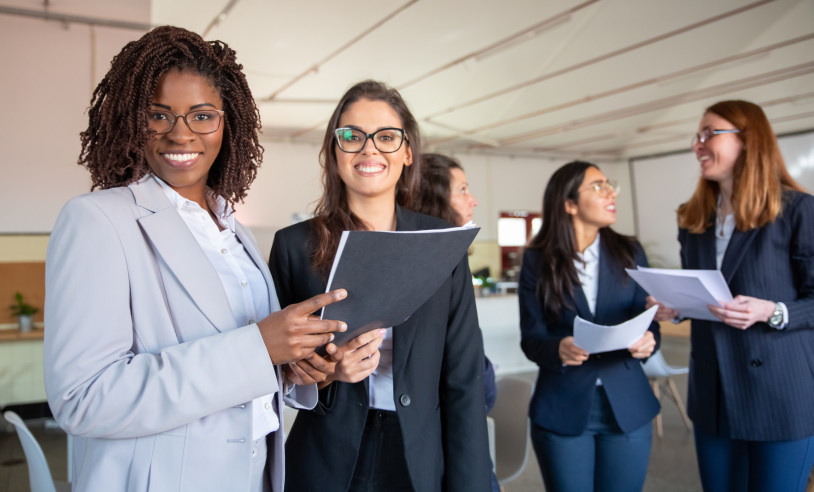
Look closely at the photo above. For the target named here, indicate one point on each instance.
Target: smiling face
(460, 199)
(182, 158)
(718, 155)
(371, 174)
(593, 210)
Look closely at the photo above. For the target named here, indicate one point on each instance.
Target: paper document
(389, 275)
(687, 291)
(600, 338)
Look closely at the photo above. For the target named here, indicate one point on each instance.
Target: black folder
(389, 275)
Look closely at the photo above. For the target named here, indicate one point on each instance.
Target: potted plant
(24, 312)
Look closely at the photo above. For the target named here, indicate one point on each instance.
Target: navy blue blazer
(762, 379)
(562, 398)
(437, 383)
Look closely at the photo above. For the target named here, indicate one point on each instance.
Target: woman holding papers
(406, 412)
(153, 359)
(590, 413)
(751, 382)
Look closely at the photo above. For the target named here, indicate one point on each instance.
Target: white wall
(665, 182)
(49, 72)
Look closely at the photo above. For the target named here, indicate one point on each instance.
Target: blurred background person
(419, 421)
(751, 381)
(591, 413)
(445, 194)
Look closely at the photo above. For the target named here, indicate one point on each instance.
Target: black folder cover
(389, 275)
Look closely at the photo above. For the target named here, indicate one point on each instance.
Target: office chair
(39, 474)
(511, 428)
(658, 371)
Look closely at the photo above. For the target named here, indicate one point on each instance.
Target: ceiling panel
(606, 79)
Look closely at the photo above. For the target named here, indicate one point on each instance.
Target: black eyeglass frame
(369, 136)
(186, 122)
(698, 138)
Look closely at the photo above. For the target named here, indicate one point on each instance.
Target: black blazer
(563, 395)
(438, 390)
(764, 376)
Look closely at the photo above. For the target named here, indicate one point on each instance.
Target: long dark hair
(556, 241)
(332, 214)
(113, 144)
(434, 196)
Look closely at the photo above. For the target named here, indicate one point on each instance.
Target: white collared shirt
(242, 281)
(587, 265)
(380, 385)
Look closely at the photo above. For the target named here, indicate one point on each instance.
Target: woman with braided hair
(167, 356)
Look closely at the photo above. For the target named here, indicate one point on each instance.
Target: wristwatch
(776, 319)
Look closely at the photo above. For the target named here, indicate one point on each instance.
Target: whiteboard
(662, 183)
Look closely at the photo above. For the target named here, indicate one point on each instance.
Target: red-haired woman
(751, 383)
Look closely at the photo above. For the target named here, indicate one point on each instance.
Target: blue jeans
(729, 465)
(601, 459)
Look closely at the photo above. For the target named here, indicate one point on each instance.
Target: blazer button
(405, 400)
(756, 363)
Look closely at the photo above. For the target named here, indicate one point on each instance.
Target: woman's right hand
(570, 354)
(664, 313)
(294, 333)
(357, 359)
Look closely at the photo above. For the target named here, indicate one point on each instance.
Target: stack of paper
(687, 291)
(596, 338)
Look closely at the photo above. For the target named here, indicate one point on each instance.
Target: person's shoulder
(419, 221)
(107, 200)
(295, 232)
(795, 198)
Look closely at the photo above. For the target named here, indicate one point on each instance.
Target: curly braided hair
(113, 145)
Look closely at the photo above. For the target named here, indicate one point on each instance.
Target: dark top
(437, 386)
(563, 394)
(760, 379)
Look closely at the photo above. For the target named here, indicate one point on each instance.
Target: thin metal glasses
(200, 121)
(605, 188)
(353, 140)
(708, 133)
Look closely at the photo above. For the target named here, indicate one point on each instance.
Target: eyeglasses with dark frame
(200, 121)
(707, 133)
(353, 140)
(604, 188)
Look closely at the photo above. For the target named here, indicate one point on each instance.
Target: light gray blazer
(144, 363)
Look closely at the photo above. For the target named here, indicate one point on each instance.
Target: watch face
(777, 317)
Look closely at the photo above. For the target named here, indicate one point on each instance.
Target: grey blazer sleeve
(126, 354)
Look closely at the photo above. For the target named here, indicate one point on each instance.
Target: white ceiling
(596, 79)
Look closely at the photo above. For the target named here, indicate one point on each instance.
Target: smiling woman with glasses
(590, 413)
(404, 410)
(167, 356)
(750, 390)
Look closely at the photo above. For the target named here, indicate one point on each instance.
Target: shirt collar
(591, 253)
(217, 204)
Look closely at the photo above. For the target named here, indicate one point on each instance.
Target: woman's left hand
(312, 369)
(643, 347)
(743, 311)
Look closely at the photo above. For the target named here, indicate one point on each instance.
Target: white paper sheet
(687, 291)
(596, 338)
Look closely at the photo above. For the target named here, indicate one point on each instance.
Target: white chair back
(39, 473)
(510, 415)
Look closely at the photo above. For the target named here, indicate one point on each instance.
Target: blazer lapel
(250, 245)
(404, 335)
(706, 251)
(735, 251)
(176, 245)
(604, 293)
